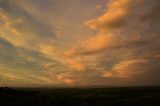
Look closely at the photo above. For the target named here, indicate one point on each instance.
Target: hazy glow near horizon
(79, 42)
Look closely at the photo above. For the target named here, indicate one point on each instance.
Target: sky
(79, 43)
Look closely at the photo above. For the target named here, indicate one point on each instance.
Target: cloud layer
(57, 43)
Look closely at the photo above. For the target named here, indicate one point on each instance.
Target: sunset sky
(79, 42)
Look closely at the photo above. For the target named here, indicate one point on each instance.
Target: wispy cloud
(60, 43)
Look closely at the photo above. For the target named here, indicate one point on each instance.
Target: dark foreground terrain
(122, 96)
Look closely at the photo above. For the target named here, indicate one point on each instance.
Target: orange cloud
(69, 81)
(76, 65)
(98, 6)
(70, 52)
(47, 49)
(24, 38)
(126, 69)
(157, 56)
(63, 78)
(115, 14)
(93, 45)
(113, 17)
(98, 43)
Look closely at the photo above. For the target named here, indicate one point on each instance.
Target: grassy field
(122, 96)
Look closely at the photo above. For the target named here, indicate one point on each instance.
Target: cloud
(110, 33)
(136, 72)
(93, 45)
(69, 81)
(125, 69)
(121, 46)
(98, 43)
(98, 6)
(76, 65)
(129, 32)
(39, 38)
(106, 42)
(18, 78)
(114, 16)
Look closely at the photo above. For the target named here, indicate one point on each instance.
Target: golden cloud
(113, 17)
(98, 43)
(69, 81)
(93, 45)
(126, 69)
(25, 39)
(76, 65)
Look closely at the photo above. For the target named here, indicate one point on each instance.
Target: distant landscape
(113, 96)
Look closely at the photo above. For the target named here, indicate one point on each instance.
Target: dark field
(122, 96)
